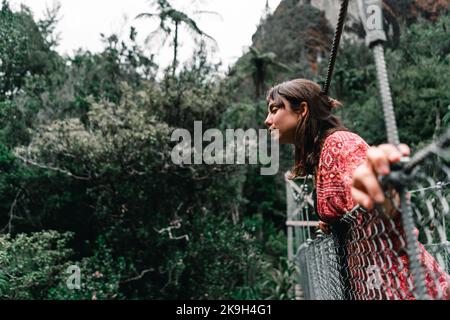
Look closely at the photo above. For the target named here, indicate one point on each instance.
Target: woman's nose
(268, 122)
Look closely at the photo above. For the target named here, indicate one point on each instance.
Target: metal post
(290, 210)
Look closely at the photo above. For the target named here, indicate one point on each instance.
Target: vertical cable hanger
(335, 48)
(371, 13)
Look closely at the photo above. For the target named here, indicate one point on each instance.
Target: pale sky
(82, 21)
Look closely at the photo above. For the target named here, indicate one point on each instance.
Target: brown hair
(314, 128)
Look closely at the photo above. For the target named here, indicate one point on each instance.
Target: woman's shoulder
(344, 137)
(341, 139)
(341, 148)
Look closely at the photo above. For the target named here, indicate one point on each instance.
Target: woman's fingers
(366, 188)
(383, 156)
(405, 150)
(365, 180)
(378, 160)
(391, 152)
(362, 198)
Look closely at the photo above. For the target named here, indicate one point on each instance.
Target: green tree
(170, 18)
(23, 50)
(418, 70)
(259, 66)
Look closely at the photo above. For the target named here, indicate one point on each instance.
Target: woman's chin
(275, 135)
(279, 138)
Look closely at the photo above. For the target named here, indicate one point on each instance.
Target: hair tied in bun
(334, 103)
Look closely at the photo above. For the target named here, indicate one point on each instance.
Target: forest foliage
(86, 177)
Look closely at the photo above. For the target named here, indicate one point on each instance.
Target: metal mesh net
(366, 256)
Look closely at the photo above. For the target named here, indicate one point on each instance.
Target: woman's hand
(324, 227)
(366, 189)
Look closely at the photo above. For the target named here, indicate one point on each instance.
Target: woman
(344, 170)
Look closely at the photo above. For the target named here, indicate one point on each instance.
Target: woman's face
(284, 120)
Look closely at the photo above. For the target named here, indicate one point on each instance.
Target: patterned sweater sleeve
(342, 153)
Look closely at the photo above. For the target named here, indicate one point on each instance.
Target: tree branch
(46, 167)
(139, 277)
(11, 213)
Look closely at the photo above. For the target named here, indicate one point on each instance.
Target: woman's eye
(274, 110)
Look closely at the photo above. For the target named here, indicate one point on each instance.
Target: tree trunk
(175, 50)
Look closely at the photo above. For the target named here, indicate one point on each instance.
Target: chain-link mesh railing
(365, 256)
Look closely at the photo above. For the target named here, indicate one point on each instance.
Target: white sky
(82, 21)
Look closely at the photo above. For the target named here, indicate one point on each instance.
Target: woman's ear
(304, 109)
